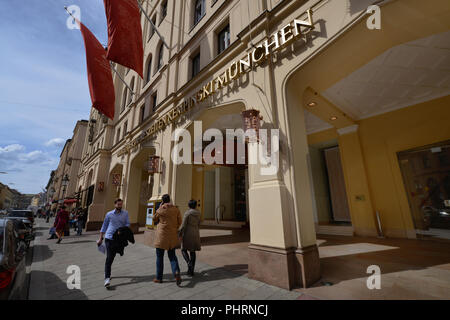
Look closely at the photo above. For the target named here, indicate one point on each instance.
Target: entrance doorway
(331, 209)
(426, 176)
(221, 194)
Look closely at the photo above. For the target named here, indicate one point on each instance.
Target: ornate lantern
(101, 187)
(116, 179)
(65, 180)
(153, 165)
(252, 121)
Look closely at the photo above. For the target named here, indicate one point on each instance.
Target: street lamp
(65, 182)
(252, 121)
(154, 165)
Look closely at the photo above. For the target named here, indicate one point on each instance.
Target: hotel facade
(362, 114)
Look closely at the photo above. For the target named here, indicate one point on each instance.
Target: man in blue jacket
(114, 220)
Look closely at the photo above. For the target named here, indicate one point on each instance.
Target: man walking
(80, 222)
(114, 220)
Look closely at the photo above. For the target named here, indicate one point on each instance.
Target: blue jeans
(160, 263)
(110, 255)
(79, 227)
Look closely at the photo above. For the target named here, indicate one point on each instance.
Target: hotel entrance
(221, 194)
(426, 176)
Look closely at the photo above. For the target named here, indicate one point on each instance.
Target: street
(132, 275)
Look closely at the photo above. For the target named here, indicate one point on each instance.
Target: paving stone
(132, 275)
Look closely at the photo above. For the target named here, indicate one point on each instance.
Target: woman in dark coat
(189, 233)
(62, 218)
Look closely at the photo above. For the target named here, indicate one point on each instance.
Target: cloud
(56, 142)
(31, 157)
(29, 171)
(11, 152)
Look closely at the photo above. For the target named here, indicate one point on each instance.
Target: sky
(43, 85)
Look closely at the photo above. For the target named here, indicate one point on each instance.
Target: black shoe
(178, 279)
(59, 241)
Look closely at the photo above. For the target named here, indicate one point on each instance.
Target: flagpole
(153, 25)
(112, 67)
(120, 77)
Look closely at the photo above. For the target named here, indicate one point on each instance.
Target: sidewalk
(132, 275)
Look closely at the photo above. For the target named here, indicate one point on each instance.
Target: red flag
(125, 34)
(100, 79)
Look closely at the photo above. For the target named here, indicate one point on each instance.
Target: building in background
(362, 113)
(62, 184)
(6, 197)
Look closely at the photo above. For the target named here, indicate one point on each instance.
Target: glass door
(426, 175)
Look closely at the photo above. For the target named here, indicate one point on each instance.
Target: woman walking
(62, 218)
(189, 233)
(168, 220)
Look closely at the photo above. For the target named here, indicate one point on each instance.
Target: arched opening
(148, 71)
(369, 107)
(140, 188)
(221, 192)
(160, 60)
(124, 99)
(130, 96)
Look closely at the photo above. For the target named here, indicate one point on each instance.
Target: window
(130, 96)
(163, 11)
(125, 129)
(152, 29)
(124, 99)
(142, 115)
(118, 136)
(154, 101)
(199, 10)
(224, 39)
(149, 68)
(195, 65)
(161, 57)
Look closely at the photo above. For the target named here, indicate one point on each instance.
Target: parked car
(12, 262)
(24, 228)
(28, 214)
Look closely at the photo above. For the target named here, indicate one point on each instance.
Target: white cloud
(11, 152)
(57, 142)
(32, 156)
(11, 148)
(29, 171)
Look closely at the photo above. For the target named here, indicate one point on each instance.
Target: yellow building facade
(356, 107)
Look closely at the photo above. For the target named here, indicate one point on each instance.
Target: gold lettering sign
(236, 69)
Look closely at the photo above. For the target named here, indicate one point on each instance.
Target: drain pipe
(379, 225)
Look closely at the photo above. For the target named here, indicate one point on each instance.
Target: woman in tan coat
(190, 236)
(168, 220)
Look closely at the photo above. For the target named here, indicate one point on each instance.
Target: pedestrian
(168, 220)
(80, 222)
(47, 215)
(61, 221)
(189, 234)
(115, 219)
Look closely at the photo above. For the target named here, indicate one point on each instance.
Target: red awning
(69, 201)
